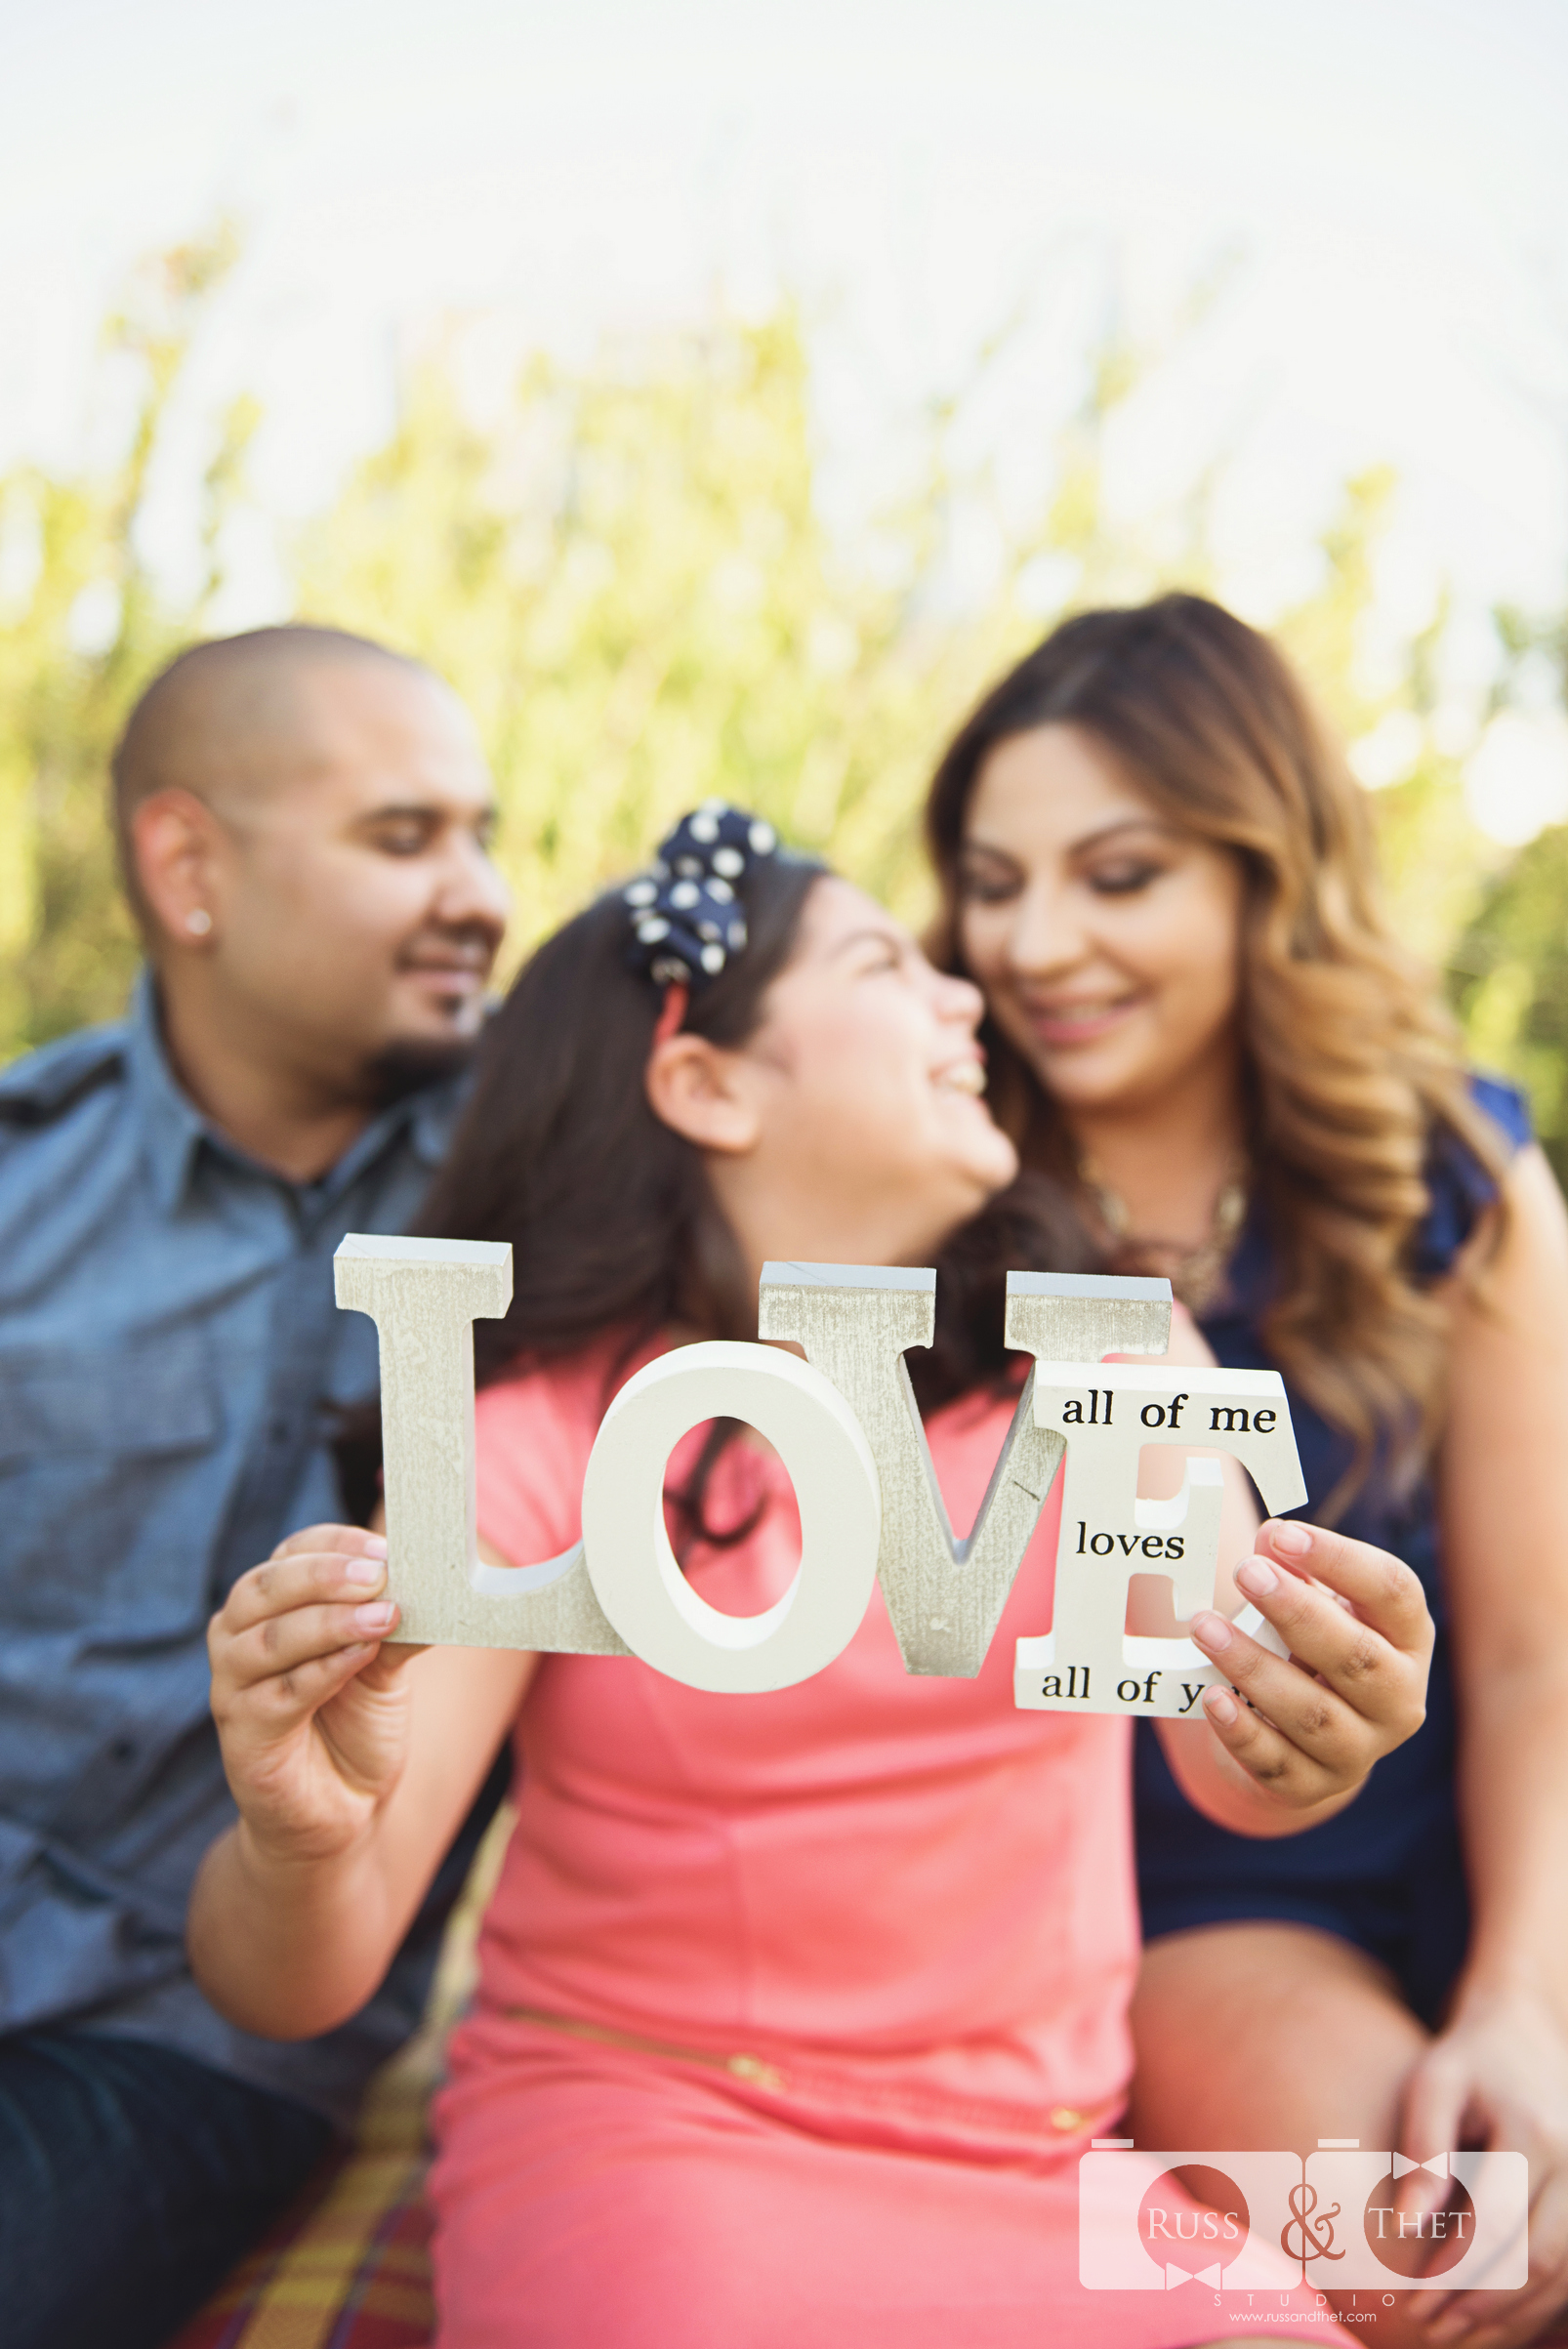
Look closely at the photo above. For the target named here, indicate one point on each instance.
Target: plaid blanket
(353, 2272)
(349, 2267)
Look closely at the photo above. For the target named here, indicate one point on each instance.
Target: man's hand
(312, 1710)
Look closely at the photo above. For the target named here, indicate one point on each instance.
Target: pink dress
(876, 1936)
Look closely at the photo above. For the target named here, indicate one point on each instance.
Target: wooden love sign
(845, 1424)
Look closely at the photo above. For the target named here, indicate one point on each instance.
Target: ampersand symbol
(1304, 2202)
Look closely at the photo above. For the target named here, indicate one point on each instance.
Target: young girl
(1159, 871)
(795, 2010)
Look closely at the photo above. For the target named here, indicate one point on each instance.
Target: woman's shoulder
(1460, 1186)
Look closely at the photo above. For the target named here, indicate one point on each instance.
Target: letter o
(1152, 1415)
(1127, 1690)
(630, 1562)
(1102, 1544)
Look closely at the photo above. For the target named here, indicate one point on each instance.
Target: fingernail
(1294, 1539)
(375, 1617)
(377, 1545)
(368, 1573)
(1211, 1630)
(1256, 1578)
(1220, 1706)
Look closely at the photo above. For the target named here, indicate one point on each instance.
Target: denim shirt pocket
(103, 1511)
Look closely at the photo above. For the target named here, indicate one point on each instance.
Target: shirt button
(123, 1750)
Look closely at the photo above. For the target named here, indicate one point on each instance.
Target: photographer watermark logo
(1193, 2221)
(1305, 2236)
(1421, 2236)
(1339, 2221)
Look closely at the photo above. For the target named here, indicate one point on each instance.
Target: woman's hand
(312, 1710)
(1498, 2077)
(1302, 1731)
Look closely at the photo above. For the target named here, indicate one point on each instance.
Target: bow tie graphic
(1175, 2276)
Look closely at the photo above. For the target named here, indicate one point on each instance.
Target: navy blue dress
(1387, 1872)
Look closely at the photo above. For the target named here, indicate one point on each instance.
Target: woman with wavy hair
(1156, 864)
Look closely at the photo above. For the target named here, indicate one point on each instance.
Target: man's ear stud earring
(198, 922)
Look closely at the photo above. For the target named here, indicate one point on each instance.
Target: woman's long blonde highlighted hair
(1351, 1065)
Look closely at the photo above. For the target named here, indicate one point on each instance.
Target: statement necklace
(1196, 1274)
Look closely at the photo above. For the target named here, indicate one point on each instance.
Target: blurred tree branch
(84, 629)
(624, 567)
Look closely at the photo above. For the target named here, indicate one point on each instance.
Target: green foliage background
(626, 572)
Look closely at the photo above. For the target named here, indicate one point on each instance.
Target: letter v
(855, 1322)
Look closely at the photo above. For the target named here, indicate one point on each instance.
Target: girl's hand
(312, 1710)
(1304, 1730)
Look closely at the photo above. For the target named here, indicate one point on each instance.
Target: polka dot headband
(687, 920)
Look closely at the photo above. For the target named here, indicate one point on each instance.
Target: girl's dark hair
(1351, 1066)
(612, 1222)
(614, 1228)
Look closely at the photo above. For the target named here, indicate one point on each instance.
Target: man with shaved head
(304, 821)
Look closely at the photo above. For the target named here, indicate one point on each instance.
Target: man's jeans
(131, 2179)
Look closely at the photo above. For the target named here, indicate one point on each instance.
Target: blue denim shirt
(168, 1340)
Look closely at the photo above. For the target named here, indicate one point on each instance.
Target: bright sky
(1393, 177)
